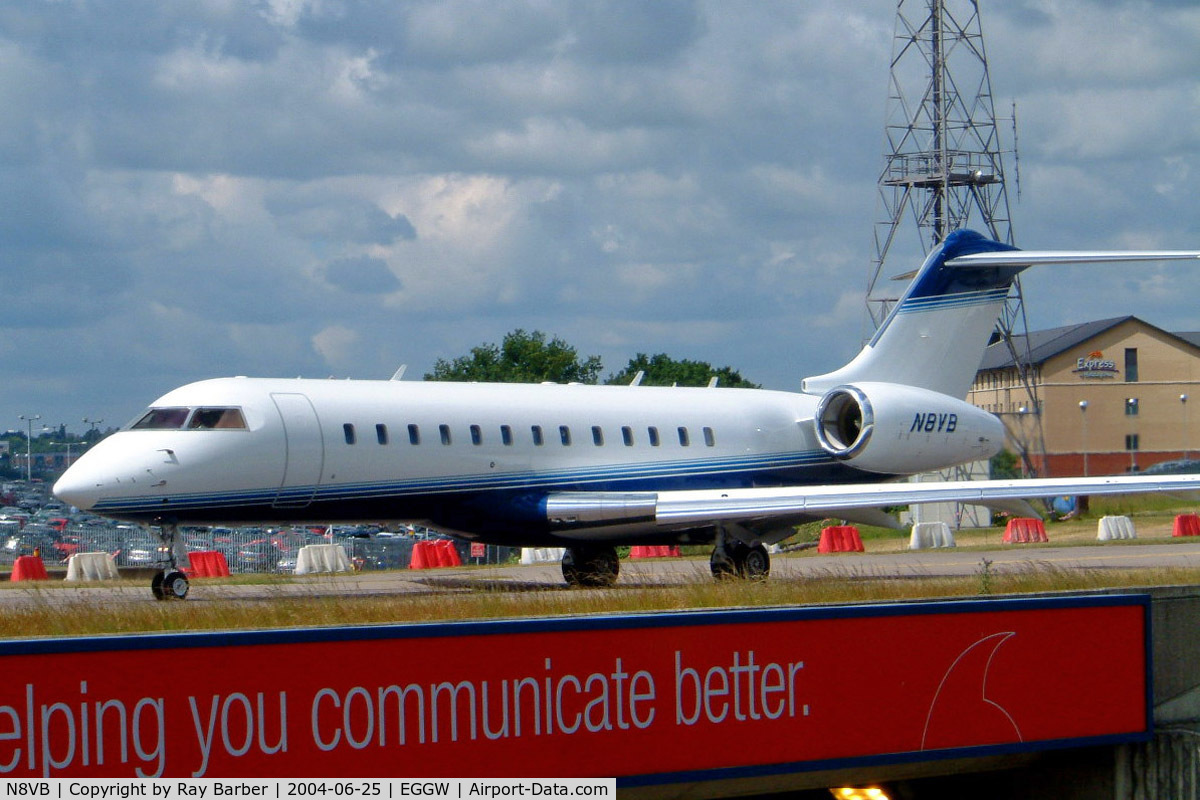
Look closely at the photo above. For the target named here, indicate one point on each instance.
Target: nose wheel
(169, 585)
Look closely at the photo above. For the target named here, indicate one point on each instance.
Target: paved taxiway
(649, 572)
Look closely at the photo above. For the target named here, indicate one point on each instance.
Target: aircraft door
(305, 448)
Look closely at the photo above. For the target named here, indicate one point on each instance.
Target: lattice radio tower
(943, 166)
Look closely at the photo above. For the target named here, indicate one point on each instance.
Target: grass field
(65, 611)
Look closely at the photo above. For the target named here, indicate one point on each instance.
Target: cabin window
(476, 435)
(348, 432)
(652, 432)
(597, 436)
(506, 435)
(217, 418)
(161, 419)
(564, 433)
(627, 436)
(381, 433)
(684, 441)
(710, 439)
(444, 430)
(414, 434)
(538, 438)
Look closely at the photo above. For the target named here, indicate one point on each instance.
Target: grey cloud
(362, 275)
(340, 219)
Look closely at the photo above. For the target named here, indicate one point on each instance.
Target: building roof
(1044, 345)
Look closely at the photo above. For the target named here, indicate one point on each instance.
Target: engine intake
(895, 429)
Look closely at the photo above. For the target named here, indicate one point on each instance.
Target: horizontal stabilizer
(1029, 258)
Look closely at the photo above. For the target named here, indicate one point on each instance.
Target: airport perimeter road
(634, 573)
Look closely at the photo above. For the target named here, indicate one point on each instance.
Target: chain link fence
(246, 550)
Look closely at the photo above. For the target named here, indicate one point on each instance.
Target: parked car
(142, 551)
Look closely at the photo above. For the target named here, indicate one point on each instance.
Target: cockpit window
(162, 419)
(171, 419)
(224, 418)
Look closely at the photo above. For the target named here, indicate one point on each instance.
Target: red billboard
(644, 698)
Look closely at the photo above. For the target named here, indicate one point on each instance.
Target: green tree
(1004, 465)
(662, 370)
(521, 358)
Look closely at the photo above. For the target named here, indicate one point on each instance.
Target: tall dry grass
(58, 612)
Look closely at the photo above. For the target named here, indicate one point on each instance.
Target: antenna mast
(943, 166)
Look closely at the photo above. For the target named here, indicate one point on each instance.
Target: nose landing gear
(169, 583)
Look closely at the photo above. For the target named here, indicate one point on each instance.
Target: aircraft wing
(698, 506)
(587, 510)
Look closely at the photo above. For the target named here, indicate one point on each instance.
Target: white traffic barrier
(92, 567)
(1111, 528)
(321, 558)
(930, 534)
(542, 555)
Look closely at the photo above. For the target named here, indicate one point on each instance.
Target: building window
(538, 438)
(564, 433)
(1131, 441)
(348, 432)
(652, 432)
(444, 430)
(1131, 365)
(1131, 406)
(414, 434)
(627, 436)
(506, 435)
(597, 435)
(476, 435)
(381, 433)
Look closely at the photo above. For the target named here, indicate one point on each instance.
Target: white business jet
(592, 467)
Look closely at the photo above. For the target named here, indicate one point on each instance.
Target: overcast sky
(328, 187)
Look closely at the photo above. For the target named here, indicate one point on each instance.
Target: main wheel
(590, 566)
(156, 586)
(755, 563)
(175, 585)
(722, 564)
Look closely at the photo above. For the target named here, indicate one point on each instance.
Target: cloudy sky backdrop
(328, 187)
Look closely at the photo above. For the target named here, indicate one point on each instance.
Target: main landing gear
(591, 566)
(169, 583)
(734, 558)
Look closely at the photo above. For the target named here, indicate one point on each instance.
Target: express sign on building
(645, 698)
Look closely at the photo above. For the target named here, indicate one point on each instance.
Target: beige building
(1115, 396)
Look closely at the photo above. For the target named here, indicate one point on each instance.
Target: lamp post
(1183, 402)
(1083, 405)
(69, 445)
(29, 418)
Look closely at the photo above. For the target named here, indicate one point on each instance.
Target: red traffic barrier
(840, 539)
(654, 551)
(1025, 530)
(1186, 525)
(208, 564)
(448, 554)
(428, 555)
(29, 568)
(420, 559)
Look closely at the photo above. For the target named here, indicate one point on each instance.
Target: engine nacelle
(895, 429)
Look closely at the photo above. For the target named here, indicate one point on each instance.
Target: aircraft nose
(79, 486)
